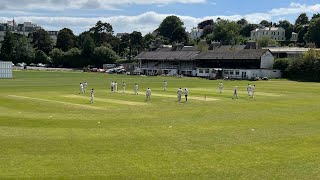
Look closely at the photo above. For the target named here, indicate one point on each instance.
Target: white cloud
(85, 4)
(149, 21)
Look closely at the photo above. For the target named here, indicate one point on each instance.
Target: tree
(136, 40)
(57, 56)
(242, 22)
(7, 47)
(246, 30)
(180, 35)
(226, 32)
(41, 40)
(208, 30)
(265, 23)
(148, 39)
(315, 16)
(88, 46)
(288, 27)
(23, 51)
(41, 57)
(104, 55)
(205, 23)
(302, 33)
(65, 39)
(313, 34)
(100, 31)
(73, 58)
(301, 20)
(168, 25)
(265, 41)
(202, 46)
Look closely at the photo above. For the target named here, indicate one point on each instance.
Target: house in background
(24, 29)
(276, 33)
(195, 33)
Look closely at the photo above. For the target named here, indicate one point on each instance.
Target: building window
(225, 72)
(237, 72)
(207, 71)
(231, 72)
(278, 33)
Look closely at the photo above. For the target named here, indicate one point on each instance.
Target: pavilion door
(244, 75)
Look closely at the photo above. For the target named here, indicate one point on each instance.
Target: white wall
(5, 69)
(267, 61)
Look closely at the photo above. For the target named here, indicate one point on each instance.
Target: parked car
(265, 78)
(41, 65)
(32, 64)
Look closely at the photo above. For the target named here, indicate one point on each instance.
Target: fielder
(92, 96)
(179, 93)
(115, 88)
(186, 93)
(81, 89)
(85, 85)
(220, 87)
(112, 84)
(165, 86)
(135, 88)
(148, 94)
(249, 89)
(235, 92)
(252, 90)
(124, 87)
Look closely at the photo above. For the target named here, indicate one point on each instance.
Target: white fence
(5, 69)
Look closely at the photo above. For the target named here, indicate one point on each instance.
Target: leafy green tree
(41, 57)
(245, 31)
(73, 58)
(88, 46)
(208, 30)
(281, 64)
(100, 32)
(202, 46)
(65, 39)
(7, 47)
(315, 16)
(205, 23)
(301, 20)
(242, 22)
(226, 31)
(57, 56)
(104, 55)
(265, 41)
(180, 35)
(313, 34)
(136, 41)
(168, 25)
(265, 23)
(41, 40)
(288, 27)
(148, 39)
(23, 51)
(303, 31)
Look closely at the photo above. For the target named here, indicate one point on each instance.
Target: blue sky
(146, 15)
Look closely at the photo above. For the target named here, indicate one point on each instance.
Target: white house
(276, 33)
(196, 33)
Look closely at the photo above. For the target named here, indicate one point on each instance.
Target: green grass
(48, 130)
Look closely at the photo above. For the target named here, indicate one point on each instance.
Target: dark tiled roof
(232, 54)
(170, 55)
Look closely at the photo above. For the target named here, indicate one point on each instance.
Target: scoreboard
(5, 69)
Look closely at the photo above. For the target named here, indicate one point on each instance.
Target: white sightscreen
(5, 69)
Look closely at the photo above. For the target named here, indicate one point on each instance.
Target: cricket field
(48, 130)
